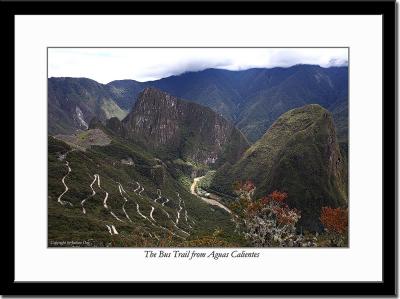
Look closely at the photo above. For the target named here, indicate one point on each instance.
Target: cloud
(145, 64)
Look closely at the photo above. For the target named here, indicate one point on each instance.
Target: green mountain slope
(73, 102)
(125, 92)
(251, 99)
(300, 155)
(340, 113)
(306, 84)
(119, 194)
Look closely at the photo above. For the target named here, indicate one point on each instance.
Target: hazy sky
(145, 64)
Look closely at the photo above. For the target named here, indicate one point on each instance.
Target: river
(207, 200)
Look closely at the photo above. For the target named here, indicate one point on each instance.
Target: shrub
(267, 222)
(335, 222)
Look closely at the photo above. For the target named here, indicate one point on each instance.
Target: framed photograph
(246, 149)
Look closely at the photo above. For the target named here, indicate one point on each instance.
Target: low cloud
(145, 64)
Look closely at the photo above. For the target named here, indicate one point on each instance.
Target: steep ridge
(73, 102)
(181, 129)
(300, 155)
(251, 99)
(125, 92)
(302, 85)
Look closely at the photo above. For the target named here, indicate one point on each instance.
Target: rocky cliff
(182, 129)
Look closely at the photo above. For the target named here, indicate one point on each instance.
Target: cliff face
(73, 102)
(187, 130)
(299, 155)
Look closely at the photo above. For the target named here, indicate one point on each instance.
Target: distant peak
(148, 91)
(123, 82)
(156, 96)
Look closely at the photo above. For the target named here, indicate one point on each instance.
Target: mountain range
(73, 102)
(251, 99)
(125, 156)
(113, 178)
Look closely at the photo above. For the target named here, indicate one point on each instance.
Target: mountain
(213, 88)
(300, 155)
(106, 191)
(122, 156)
(175, 128)
(125, 92)
(253, 99)
(299, 85)
(340, 112)
(73, 102)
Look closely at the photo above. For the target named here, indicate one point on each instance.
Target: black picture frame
(386, 8)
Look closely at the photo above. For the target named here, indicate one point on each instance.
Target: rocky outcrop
(115, 125)
(183, 129)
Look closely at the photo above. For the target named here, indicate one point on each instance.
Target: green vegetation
(69, 223)
(251, 99)
(299, 155)
(111, 109)
(68, 96)
(206, 181)
(129, 181)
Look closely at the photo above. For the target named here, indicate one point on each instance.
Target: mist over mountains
(157, 163)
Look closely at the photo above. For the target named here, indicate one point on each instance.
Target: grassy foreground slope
(130, 198)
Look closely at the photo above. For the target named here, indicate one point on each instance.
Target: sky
(145, 64)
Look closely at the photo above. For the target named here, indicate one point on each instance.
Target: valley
(260, 159)
(250, 99)
(101, 198)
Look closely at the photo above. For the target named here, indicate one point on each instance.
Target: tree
(335, 222)
(267, 222)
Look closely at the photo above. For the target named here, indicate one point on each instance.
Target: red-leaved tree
(335, 222)
(267, 222)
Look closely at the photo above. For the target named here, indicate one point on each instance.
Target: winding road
(109, 229)
(121, 189)
(106, 197)
(63, 202)
(112, 230)
(167, 200)
(93, 194)
(115, 216)
(180, 209)
(140, 192)
(137, 204)
(138, 187)
(158, 194)
(151, 214)
(178, 228)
